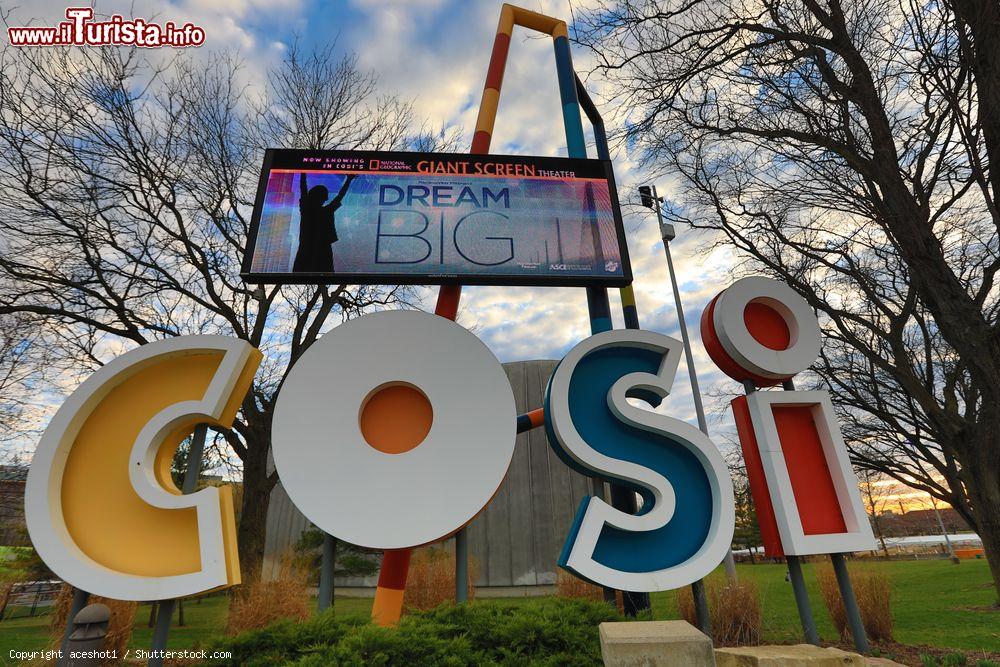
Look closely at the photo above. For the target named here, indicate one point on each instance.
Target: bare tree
(850, 148)
(20, 364)
(127, 192)
(747, 532)
(876, 492)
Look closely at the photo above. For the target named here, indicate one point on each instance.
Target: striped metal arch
(388, 604)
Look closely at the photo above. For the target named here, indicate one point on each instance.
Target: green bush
(549, 631)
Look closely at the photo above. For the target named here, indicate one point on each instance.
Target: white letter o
(379, 500)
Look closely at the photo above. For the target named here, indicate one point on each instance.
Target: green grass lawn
(934, 603)
(23, 634)
(8, 568)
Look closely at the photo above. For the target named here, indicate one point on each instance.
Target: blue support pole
(621, 497)
(598, 305)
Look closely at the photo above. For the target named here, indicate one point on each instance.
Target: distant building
(13, 531)
(515, 542)
(921, 522)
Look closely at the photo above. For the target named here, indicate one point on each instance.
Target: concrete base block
(799, 655)
(655, 644)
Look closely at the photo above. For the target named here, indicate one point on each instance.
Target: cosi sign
(395, 430)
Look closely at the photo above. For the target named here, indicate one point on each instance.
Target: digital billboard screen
(431, 218)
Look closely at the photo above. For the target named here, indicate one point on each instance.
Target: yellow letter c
(100, 506)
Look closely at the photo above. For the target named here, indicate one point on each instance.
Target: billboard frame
(307, 278)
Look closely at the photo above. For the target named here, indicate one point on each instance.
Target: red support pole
(388, 604)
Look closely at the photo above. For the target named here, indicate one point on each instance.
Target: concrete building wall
(13, 531)
(516, 540)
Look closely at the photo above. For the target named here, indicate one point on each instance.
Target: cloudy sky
(436, 52)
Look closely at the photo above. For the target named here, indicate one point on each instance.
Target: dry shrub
(431, 579)
(260, 603)
(828, 588)
(569, 586)
(874, 596)
(873, 593)
(119, 628)
(734, 608)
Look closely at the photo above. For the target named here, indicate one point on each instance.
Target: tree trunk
(989, 531)
(982, 17)
(991, 545)
(983, 483)
(878, 532)
(257, 486)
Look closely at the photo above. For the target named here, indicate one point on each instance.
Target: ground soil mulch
(912, 655)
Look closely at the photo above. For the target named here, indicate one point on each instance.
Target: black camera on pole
(646, 196)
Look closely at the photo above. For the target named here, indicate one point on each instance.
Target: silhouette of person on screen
(317, 229)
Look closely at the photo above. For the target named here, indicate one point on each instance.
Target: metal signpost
(327, 572)
(761, 333)
(944, 533)
(650, 199)
(684, 529)
(622, 498)
(165, 613)
(795, 577)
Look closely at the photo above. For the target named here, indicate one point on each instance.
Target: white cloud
(437, 53)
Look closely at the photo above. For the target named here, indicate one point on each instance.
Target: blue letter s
(685, 524)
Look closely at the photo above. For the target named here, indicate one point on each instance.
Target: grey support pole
(165, 613)
(80, 598)
(327, 572)
(668, 234)
(161, 631)
(843, 582)
(802, 600)
(597, 490)
(947, 540)
(701, 607)
(850, 603)
(461, 567)
(621, 498)
(795, 567)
